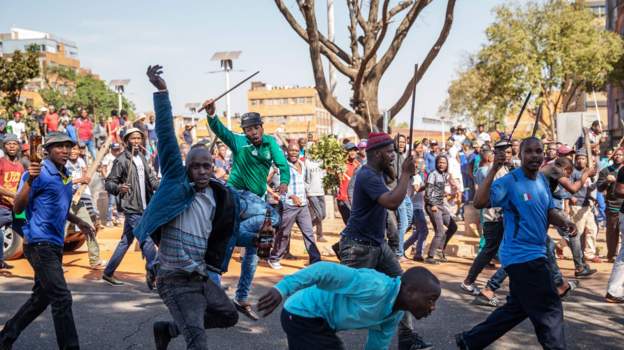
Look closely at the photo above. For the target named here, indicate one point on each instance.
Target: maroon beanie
(378, 139)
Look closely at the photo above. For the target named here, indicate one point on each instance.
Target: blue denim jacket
(176, 193)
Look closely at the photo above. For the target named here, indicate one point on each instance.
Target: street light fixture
(120, 86)
(226, 59)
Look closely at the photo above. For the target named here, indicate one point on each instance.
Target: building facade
(293, 112)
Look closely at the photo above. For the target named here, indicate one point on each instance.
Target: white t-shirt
(484, 137)
(138, 162)
(76, 170)
(108, 160)
(17, 128)
(418, 198)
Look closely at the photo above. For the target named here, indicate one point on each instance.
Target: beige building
(292, 111)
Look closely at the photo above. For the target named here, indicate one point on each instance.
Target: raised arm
(393, 199)
(482, 196)
(168, 150)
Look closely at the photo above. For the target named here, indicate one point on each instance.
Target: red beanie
(378, 139)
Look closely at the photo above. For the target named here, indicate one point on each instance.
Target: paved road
(121, 317)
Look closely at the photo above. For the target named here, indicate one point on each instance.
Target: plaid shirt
(297, 185)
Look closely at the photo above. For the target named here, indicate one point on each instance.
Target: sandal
(482, 300)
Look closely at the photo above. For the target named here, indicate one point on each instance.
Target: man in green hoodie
(253, 155)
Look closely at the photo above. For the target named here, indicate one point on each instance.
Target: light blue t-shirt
(525, 204)
(347, 298)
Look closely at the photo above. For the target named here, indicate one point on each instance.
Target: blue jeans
(90, 146)
(112, 199)
(419, 233)
(127, 237)
(602, 207)
(253, 209)
(404, 214)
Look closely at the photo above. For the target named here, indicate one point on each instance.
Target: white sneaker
(275, 265)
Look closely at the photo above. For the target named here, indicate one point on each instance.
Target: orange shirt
(343, 195)
(10, 175)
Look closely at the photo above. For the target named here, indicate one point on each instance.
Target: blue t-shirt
(368, 218)
(430, 160)
(525, 204)
(48, 204)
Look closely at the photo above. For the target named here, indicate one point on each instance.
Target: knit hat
(377, 140)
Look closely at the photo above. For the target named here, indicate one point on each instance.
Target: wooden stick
(92, 169)
(231, 89)
(411, 130)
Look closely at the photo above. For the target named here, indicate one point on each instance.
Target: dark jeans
(381, 258)
(344, 210)
(493, 234)
(613, 233)
(532, 294)
(290, 216)
(6, 218)
(196, 304)
(50, 289)
(419, 233)
(392, 231)
(127, 237)
(439, 220)
(304, 333)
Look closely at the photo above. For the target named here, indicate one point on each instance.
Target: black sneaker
(5, 266)
(586, 272)
(460, 342)
(613, 300)
(431, 261)
(418, 343)
(112, 280)
(418, 258)
(161, 335)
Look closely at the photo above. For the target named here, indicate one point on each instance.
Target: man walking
(10, 174)
(528, 209)
(362, 243)
(133, 181)
(193, 219)
(606, 183)
(45, 193)
(295, 211)
(582, 207)
(84, 129)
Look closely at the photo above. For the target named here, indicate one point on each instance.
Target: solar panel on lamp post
(120, 86)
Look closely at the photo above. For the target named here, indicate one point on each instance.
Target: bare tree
(363, 64)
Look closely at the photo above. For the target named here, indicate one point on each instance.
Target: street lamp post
(226, 59)
(193, 107)
(119, 86)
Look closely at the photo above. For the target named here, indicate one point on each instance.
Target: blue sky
(119, 39)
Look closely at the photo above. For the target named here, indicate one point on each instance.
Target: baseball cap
(564, 150)
(57, 137)
(349, 146)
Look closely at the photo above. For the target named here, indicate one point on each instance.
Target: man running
(326, 298)
(254, 153)
(528, 209)
(193, 218)
(45, 193)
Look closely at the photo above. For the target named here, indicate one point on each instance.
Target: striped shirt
(297, 184)
(185, 239)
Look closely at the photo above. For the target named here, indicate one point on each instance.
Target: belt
(363, 241)
(193, 277)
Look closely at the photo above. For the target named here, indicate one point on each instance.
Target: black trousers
(493, 234)
(613, 233)
(532, 294)
(344, 210)
(50, 289)
(305, 333)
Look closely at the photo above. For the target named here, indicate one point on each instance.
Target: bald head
(420, 289)
(199, 166)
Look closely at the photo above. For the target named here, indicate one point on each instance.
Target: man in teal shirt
(325, 298)
(254, 153)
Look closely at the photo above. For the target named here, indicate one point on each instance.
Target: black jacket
(613, 201)
(124, 171)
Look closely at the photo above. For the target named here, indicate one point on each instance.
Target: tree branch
(329, 45)
(399, 7)
(353, 31)
(371, 53)
(433, 52)
(327, 99)
(400, 35)
(360, 18)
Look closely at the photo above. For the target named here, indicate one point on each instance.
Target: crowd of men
(190, 204)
